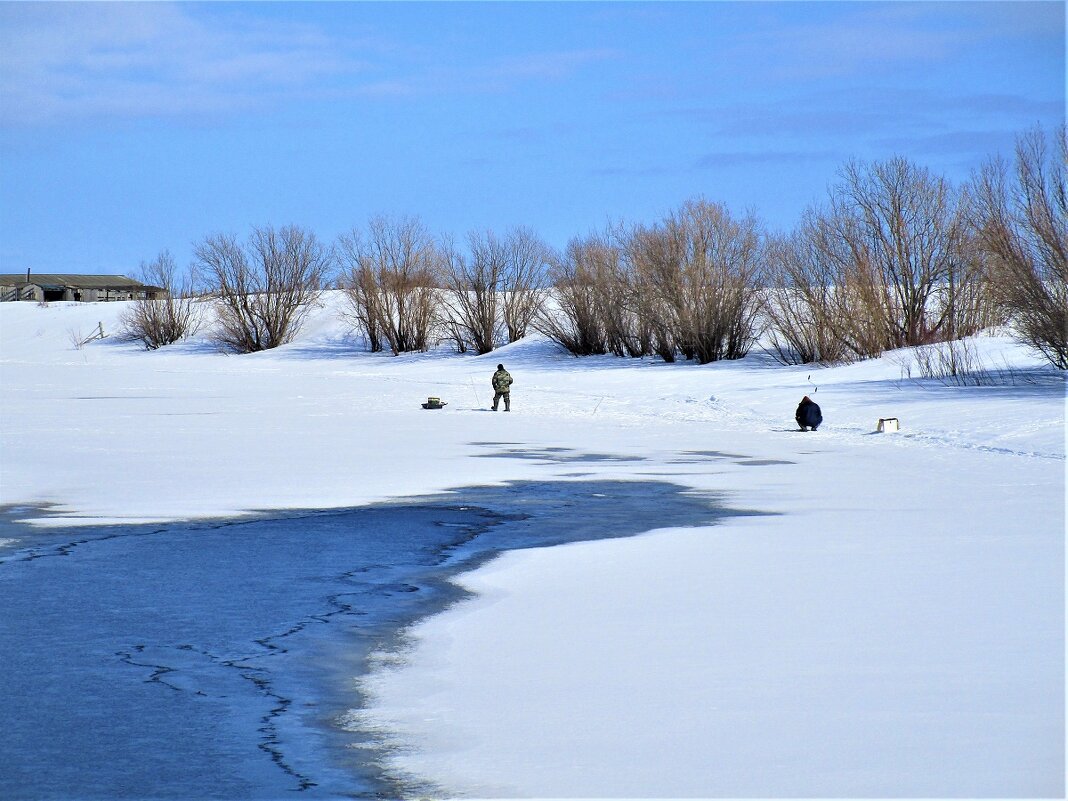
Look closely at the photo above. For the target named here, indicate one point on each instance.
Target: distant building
(85, 288)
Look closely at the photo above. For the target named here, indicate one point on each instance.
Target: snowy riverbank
(892, 623)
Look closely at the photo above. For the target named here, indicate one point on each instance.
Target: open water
(215, 659)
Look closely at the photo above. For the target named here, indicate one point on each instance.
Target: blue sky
(127, 128)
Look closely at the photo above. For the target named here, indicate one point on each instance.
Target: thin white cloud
(740, 158)
(862, 38)
(71, 60)
(67, 61)
(496, 76)
(852, 112)
(553, 65)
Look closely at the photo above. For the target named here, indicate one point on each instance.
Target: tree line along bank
(897, 256)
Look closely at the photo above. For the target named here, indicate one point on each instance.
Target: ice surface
(892, 625)
(215, 658)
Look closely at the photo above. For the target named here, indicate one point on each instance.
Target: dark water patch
(557, 455)
(701, 457)
(11, 516)
(120, 397)
(716, 454)
(215, 659)
(658, 474)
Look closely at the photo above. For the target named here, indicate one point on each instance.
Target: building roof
(118, 282)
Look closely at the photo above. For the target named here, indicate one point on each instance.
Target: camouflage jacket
(502, 381)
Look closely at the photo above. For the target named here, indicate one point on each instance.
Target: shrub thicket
(393, 273)
(170, 317)
(688, 286)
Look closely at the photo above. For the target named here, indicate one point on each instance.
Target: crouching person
(502, 388)
(808, 414)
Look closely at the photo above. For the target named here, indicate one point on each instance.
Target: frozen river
(214, 659)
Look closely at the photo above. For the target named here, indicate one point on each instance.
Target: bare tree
(970, 296)
(365, 310)
(160, 321)
(896, 241)
(264, 287)
(800, 301)
(570, 315)
(472, 292)
(613, 293)
(1023, 228)
(706, 276)
(393, 271)
(522, 282)
(650, 255)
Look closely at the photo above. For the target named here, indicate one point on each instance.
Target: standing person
(502, 388)
(808, 414)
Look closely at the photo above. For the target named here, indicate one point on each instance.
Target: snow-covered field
(890, 624)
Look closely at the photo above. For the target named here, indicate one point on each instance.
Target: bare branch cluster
(891, 262)
(492, 293)
(264, 287)
(393, 270)
(800, 300)
(688, 286)
(472, 286)
(523, 286)
(160, 321)
(709, 281)
(572, 315)
(1023, 229)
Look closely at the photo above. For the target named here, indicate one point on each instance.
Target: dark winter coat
(808, 414)
(502, 381)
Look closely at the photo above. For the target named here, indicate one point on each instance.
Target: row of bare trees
(899, 258)
(405, 287)
(258, 291)
(896, 257)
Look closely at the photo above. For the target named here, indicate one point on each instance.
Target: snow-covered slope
(893, 624)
